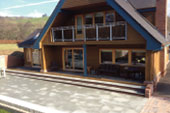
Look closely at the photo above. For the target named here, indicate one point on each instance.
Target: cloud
(168, 7)
(31, 4)
(35, 14)
(8, 14)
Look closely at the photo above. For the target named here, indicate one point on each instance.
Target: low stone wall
(11, 61)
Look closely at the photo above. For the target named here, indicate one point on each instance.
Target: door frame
(63, 59)
(79, 36)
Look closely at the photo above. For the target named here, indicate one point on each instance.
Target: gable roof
(154, 38)
(30, 40)
(142, 4)
(141, 20)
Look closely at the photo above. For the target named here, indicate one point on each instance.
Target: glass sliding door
(73, 59)
(68, 59)
(78, 59)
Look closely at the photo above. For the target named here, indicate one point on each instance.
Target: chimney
(161, 16)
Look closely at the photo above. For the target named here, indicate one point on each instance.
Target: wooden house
(123, 38)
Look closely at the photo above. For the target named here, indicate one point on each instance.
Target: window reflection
(106, 56)
(121, 56)
(138, 57)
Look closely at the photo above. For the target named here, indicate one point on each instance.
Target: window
(138, 57)
(106, 56)
(121, 56)
(99, 17)
(88, 19)
(110, 18)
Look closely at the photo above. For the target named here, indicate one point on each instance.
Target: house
(123, 38)
(32, 57)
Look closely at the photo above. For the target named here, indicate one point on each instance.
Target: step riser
(88, 82)
(105, 89)
(91, 85)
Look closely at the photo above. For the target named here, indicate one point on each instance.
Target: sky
(31, 8)
(27, 8)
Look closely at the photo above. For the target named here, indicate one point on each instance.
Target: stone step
(103, 85)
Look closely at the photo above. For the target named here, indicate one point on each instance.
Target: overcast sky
(31, 8)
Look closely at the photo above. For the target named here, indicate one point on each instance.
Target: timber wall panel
(75, 3)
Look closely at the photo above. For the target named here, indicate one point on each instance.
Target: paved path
(69, 99)
(160, 102)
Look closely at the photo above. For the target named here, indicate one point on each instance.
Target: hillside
(19, 28)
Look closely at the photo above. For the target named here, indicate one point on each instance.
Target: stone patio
(68, 98)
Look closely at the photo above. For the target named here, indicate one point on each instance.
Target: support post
(53, 39)
(62, 35)
(111, 33)
(73, 36)
(85, 60)
(97, 33)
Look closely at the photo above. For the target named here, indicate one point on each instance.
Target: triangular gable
(152, 43)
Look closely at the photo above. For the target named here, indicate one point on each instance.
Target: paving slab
(69, 99)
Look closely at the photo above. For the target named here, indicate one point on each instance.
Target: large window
(106, 56)
(99, 17)
(88, 19)
(110, 18)
(121, 56)
(138, 57)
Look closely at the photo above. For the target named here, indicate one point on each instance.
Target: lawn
(7, 49)
(3, 111)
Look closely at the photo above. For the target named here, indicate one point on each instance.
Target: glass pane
(138, 57)
(79, 25)
(88, 19)
(106, 56)
(68, 59)
(99, 17)
(121, 56)
(78, 59)
(110, 18)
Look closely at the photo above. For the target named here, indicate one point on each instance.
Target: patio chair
(2, 72)
(54, 66)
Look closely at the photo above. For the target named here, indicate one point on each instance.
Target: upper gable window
(110, 18)
(99, 17)
(89, 19)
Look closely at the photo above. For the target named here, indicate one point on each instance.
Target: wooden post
(73, 35)
(84, 33)
(62, 35)
(97, 33)
(85, 59)
(111, 33)
(44, 64)
(53, 39)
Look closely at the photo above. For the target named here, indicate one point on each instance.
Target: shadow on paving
(163, 88)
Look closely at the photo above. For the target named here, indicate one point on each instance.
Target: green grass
(9, 47)
(31, 20)
(3, 111)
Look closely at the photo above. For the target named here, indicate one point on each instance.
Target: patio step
(97, 84)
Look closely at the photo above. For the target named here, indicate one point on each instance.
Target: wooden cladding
(78, 3)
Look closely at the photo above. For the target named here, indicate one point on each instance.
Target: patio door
(73, 59)
(79, 27)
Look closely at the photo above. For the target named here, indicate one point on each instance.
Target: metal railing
(99, 32)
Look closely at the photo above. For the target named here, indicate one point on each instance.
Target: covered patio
(97, 62)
